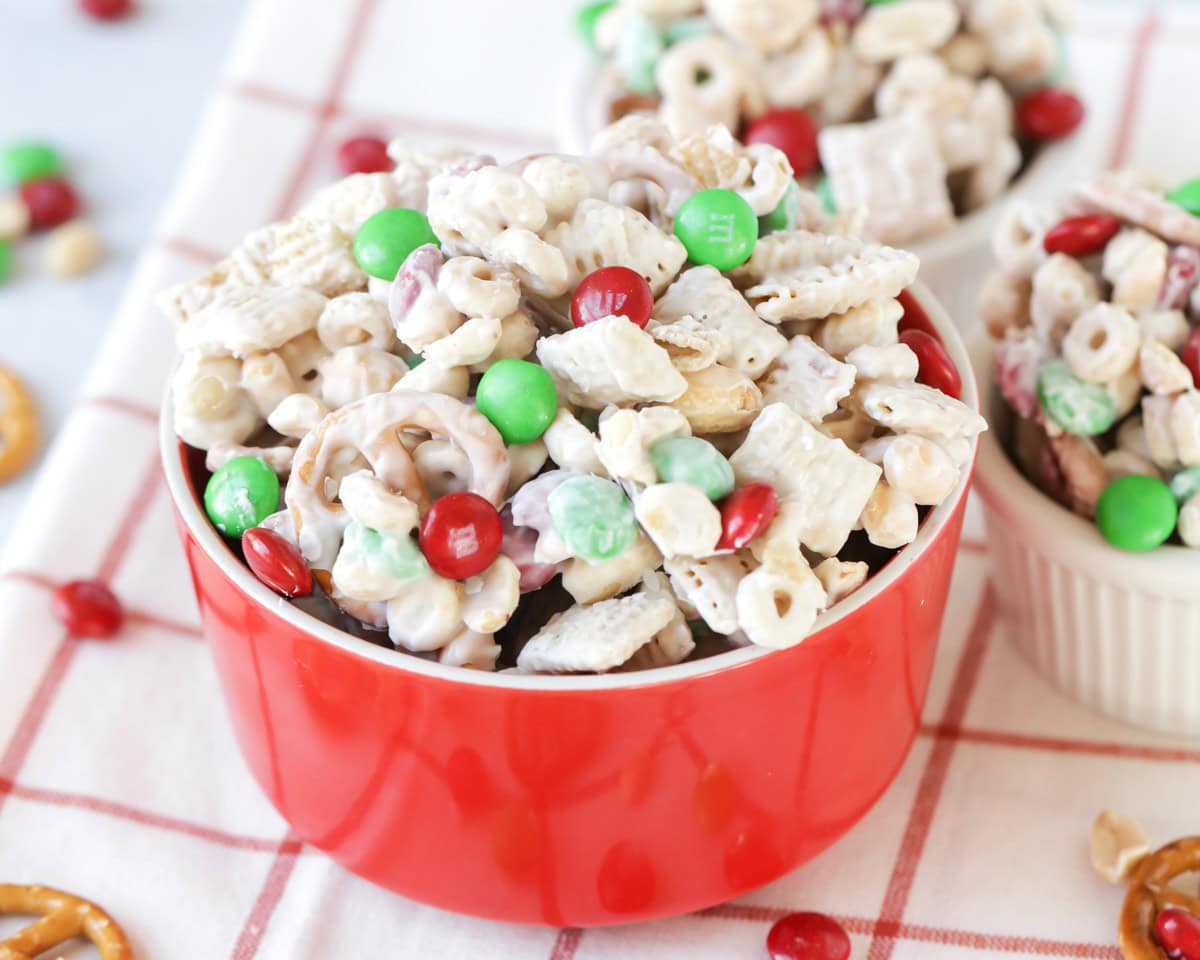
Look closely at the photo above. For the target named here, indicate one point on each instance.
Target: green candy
(241, 495)
(399, 557)
(638, 49)
(824, 190)
(1187, 195)
(386, 238)
(414, 361)
(1058, 72)
(6, 260)
(1136, 513)
(593, 517)
(1185, 484)
(677, 31)
(586, 17)
(717, 227)
(695, 461)
(519, 398)
(786, 214)
(1082, 408)
(22, 162)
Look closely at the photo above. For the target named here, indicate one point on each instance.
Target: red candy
(915, 317)
(276, 562)
(1049, 113)
(1081, 236)
(1183, 272)
(792, 131)
(1191, 354)
(808, 936)
(50, 201)
(935, 368)
(745, 514)
(1179, 933)
(842, 11)
(106, 9)
(518, 544)
(612, 291)
(87, 608)
(364, 155)
(461, 535)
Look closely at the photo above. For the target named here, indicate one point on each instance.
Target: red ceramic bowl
(578, 800)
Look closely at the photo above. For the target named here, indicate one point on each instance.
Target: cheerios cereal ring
(371, 428)
(63, 916)
(18, 426)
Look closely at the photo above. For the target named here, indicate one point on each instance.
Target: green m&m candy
(717, 227)
(519, 398)
(786, 214)
(22, 162)
(1136, 513)
(1187, 195)
(824, 190)
(677, 31)
(638, 49)
(586, 17)
(241, 495)
(1185, 484)
(593, 517)
(386, 238)
(386, 555)
(5, 260)
(695, 461)
(1082, 408)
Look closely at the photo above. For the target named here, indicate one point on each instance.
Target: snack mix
(568, 414)
(1093, 306)
(918, 111)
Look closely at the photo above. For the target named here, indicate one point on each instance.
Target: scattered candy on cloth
(119, 776)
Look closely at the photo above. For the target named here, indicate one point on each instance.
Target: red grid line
(255, 928)
(971, 545)
(38, 708)
(121, 811)
(134, 408)
(1024, 741)
(973, 940)
(929, 791)
(565, 944)
(1139, 59)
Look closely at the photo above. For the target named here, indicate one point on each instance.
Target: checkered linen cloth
(119, 776)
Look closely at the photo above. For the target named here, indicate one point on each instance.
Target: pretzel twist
(62, 917)
(1150, 892)
(18, 426)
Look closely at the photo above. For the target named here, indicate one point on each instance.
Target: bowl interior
(178, 462)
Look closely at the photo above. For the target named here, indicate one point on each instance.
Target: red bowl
(578, 800)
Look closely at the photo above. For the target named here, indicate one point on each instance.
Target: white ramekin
(953, 262)
(1117, 631)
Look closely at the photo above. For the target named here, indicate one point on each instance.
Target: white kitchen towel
(119, 777)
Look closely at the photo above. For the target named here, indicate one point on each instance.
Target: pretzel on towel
(1150, 892)
(63, 916)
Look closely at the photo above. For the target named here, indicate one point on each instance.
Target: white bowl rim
(214, 546)
(1005, 488)
(1047, 170)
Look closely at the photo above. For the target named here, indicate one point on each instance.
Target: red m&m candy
(106, 9)
(612, 291)
(88, 608)
(935, 368)
(746, 513)
(50, 201)
(364, 155)
(792, 131)
(1081, 236)
(915, 317)
(1050, 113)
(276, 562)
(1191, 354)
(808, 936)
(1178, 933)
(461, 535)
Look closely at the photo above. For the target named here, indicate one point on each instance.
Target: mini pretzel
(18, 426)
(370, 429)
(1150, 892)
(63, 916)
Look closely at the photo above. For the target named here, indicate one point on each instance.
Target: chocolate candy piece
(695, 461)
(386, 239)
(807, 936)
(276, 562)
(1137, 513)
(1187, 195)
(1081, 236)
(612, 291)
(746, 513)
(593, 517)
(364, 155)
(519, 398)
(934, 366)
(241, 495)
(1082, 408)
(717, 227)
(25, 161)
(1049, 113)
(460, 535)
(88, 608)
(50, 201)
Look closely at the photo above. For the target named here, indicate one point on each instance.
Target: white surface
(120, 100)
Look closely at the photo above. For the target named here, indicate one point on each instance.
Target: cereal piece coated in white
(626, 437)
(730, 89)
(1021, 46)
(266, 377)
(1126, 463)
(1131, 436)
(443, 467)
(890, 517)
(571, 445)
(562, 183)
(369, 501)
(991, 176)
(808, 380)
(609, 361)
(1130, 196)
(1102, 343)
(278, 459)
(14, 217)
(434, 378)
(244, 320)
(592, 582)
(749, 345)
(893, 362)
(777, 608)
(1003, 302)
(355, 319)
(1161, 370)
(719, 400)
(474, 651)
(1185, 427)
(759, 173)
(596, 638)
(873, 324)
(1158, 434)
(916, 408)
(525, 460)
(352, 373)
(477, 288)
(471, 343)
(518, 336)
(801, 75)
(965, 54)
(316, 254)
(691, 345)
(914, 465)
(1189, 521)
(426, 615)
(827, 483)
(887, 32)
(349, 202)
(296, 414)
(1135, 263)
(710, 585)
(209, 404)
(1062, 290)
(679, 518)
(851, 82)
(490, 598)
(840, 578)
(1168, 327)
(1017, 241)
(72, 249)
(768, 26)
